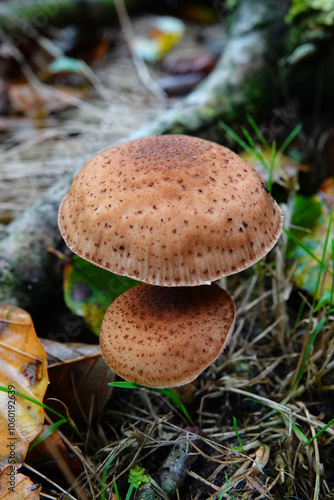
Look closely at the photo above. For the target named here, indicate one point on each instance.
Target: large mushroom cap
(170, 210)
(165, 337)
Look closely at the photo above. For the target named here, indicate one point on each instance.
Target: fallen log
(241, 83)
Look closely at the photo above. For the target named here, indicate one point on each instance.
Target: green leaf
(137, 476)
(308, 7)
(89, 290)
(307, 211)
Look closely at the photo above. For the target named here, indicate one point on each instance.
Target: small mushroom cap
(165, 337)
(170, 210)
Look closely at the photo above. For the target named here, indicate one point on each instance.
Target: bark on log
(173, 471)
(241, 83)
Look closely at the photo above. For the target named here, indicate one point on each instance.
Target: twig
(138, 62)
(55, 485)
(257, 338)
(317, 464)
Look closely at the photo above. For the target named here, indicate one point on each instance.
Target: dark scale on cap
(163, 189)
(150, 335)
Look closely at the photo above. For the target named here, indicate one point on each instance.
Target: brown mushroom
(165, 337)
(170, 210)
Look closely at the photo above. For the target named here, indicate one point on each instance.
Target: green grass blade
(177, 401)
(252, 148)
(115, 489)
(257, 130)
(296, 429)
(128, 495)
(308, 347)
(300, 312)
(235, 136)
(332, 290)
(320, 432)
(323, 256)
(125, 385)
(227, 482)
(325, 299)
(46, 433)
(294, 426)
(289, 139)
(249, 138)
(255, 150)
(104, 477)
(271, 166)
(244, 145)
(32, 400)
(235, 426)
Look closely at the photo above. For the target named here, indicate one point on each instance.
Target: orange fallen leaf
(23, 369)
(16, 486)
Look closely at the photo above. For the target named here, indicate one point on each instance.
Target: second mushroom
(179, 213)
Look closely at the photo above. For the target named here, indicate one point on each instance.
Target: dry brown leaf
(16, 486)
(255, 485)
(23, 368)
(78, 377)
(32, 102)
(25, 99)
(261, 459)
